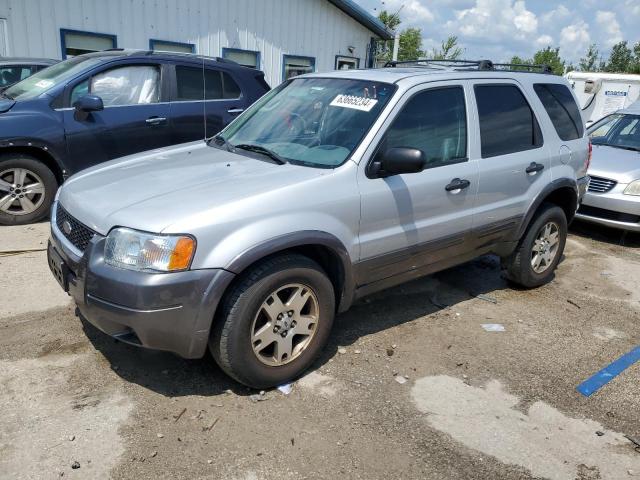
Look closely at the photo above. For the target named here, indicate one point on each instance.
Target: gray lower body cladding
(171, 312)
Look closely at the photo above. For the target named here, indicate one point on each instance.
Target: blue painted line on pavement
(611, 371)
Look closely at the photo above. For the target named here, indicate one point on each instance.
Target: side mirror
(398, 160)
(89, 103)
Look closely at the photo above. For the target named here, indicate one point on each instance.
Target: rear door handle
(235, 110)
(534, 168)
(457, 184)
(156, 121)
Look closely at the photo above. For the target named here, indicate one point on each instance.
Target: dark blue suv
(100, 106)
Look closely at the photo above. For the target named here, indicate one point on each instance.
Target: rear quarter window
(562, 109)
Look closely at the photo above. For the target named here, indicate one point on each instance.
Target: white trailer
(600, 94)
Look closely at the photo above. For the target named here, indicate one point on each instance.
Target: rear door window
(507, 122)
(562, 109)
(192, 83)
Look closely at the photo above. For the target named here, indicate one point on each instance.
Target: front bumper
(162, 311)
(613, 209)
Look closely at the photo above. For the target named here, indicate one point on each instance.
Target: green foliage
(449, 50)
(590, 63)
(621, 59)
(547, 56)
(550, 56)
(410, 47)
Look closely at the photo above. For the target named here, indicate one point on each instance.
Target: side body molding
(304, 238)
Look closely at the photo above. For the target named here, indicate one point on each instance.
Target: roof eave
(363, 17)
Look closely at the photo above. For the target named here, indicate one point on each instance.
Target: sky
(499, 29)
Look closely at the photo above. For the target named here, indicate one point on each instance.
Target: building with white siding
(281, 37)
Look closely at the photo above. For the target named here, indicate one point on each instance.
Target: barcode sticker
(363, 104)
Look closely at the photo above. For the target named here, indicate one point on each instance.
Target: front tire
(535, 259)
(27, 189)
(274, 321)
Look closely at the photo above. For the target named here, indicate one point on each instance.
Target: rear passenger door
(514, 165)
(203, 93)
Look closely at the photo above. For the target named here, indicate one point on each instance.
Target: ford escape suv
(328, 188)
(104, 105)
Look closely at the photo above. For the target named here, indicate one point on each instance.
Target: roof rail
(469, 65)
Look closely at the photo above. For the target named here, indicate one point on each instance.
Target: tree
(590, 63)
(621, 58)
(410, 47)
(635, 68)
(449, 50)
(551, 57)
(547, 56)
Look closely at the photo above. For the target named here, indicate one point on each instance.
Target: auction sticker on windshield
(363, 104)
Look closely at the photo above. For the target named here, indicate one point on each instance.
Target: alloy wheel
(545, 247)
(21, 191)
(285, 324)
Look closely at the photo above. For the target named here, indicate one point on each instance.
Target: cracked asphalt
(475, 404)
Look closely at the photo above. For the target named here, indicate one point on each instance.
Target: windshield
(618, 130)
(45, 79)
(311, 121)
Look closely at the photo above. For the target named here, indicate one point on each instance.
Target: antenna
(204, 99)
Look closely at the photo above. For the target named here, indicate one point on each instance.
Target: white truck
(600, 94)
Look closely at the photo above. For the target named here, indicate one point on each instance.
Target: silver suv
(329, 188)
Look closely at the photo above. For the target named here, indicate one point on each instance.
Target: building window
(75, 42)
(246, 58)
(346, 63)
(168, 46)
(294, 65)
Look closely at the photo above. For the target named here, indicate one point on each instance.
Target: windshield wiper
(264, 151)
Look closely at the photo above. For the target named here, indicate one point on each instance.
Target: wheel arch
(562, 192)
(322, 247)
(41, 153)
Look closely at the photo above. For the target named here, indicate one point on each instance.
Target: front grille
(608, 214)
(601, 185)
(80, 235)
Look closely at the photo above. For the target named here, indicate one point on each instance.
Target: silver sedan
(613, 197)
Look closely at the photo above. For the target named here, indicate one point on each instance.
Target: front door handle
(534, 168)
(457, 184)
(235, 110)
(156, 121)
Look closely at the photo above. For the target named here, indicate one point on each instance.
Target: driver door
(134, 118)
(411, 221)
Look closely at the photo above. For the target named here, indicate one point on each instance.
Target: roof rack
(485, 65)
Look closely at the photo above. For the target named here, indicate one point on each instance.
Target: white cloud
(556, 15)
(495, 19)
(609, 24)
(412, 11)
(544, 40)
(574, 39)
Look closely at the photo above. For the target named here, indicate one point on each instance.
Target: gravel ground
(410, 386)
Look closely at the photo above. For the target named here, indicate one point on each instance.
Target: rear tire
(274, 322)
(27, 189)
(539, 251)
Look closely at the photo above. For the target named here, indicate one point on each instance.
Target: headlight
(633, 188)
(126, 248)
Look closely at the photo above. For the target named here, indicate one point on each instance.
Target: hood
(6, 104)
(618, 164)
(153, 190)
